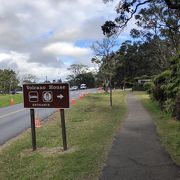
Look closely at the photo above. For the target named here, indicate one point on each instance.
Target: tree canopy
(8, 80)
(153, 51)
(126, 9)
(79, 75)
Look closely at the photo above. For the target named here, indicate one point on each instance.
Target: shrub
(162, 77)
(158, 90)
(149, 86)
(166, 88)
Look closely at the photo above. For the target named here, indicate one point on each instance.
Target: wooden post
(63, 129)
(33, 129)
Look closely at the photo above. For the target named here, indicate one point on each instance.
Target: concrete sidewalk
(136, 153)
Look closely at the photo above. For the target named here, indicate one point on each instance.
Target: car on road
(83, 86)
(74, 88)
(13, 91)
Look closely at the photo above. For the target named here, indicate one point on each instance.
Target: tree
(159, 26)
(87, 78)
(126, 9)
(8, 80)
(104, 55)
(159, 21)
(166, 89)
(29, 78)
(75, 70)
(158, 39)
(134, 60)
(158, 33)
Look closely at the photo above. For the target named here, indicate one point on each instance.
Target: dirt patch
(45, 151)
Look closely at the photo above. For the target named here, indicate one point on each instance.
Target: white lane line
(3, 116)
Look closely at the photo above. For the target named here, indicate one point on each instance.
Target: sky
(44, 37)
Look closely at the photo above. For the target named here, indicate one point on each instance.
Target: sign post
(33, 129)
(55, 95)
(63, 129)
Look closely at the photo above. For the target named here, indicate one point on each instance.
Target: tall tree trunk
(106, 85)
(111, 96)
(110, 92)
(124, 85)
(177, 108)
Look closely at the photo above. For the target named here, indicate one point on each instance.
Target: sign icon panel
(47, 96)
(55, 95)
(33, 96)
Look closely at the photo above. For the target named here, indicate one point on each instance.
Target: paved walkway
(136, 153)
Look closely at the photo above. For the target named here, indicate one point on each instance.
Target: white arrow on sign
(60, 96)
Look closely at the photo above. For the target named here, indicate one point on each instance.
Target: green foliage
(169, 105)
(77, 69)
(87, 78)
(135, 60)
(8, 80)
(158, 39)
(162, 77)
(160, 82)
(79, 75)
(167, 87)
(154, 15)
(148, 86)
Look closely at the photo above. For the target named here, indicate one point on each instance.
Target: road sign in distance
(46, 95)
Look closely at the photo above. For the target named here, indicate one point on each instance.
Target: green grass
(167, 127)
(91, 125)
(5, 99)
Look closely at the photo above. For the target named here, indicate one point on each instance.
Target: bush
(162, 77)
(169, 105)
(166, 88)
(148, 86)
(158, 90)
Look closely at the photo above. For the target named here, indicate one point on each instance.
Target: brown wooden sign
(46, 95)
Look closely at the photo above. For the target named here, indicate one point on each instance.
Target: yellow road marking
(3, 116)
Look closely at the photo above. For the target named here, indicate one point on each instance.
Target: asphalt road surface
(15, 119)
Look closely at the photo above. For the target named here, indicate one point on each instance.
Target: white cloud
(39, 36)
(66, 49)
(23, 66)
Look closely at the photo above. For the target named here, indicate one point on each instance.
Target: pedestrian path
(136, 153)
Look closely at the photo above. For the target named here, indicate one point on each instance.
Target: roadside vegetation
(5, 100)
(152, 54)
(168, 128)
(165, 88)
(91, 125)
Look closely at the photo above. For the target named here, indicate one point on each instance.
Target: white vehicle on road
(74, 88)
(83, 86)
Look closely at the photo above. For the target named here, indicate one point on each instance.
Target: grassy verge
(168, 128)
(91, 125)
(5, 99)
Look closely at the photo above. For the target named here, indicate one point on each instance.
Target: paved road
(136, 153)
(15, 119)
